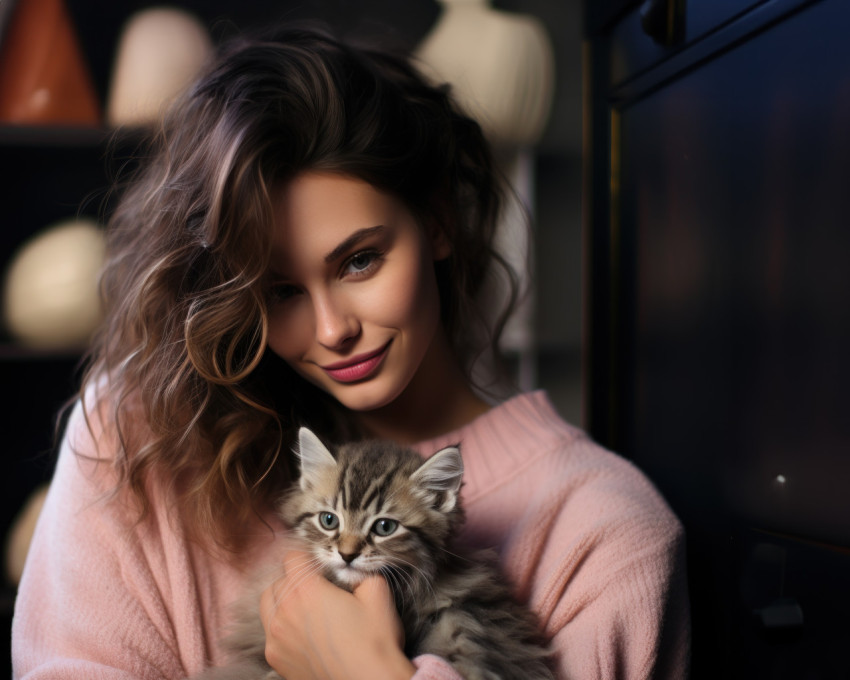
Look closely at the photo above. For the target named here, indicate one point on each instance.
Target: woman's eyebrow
(353, 240)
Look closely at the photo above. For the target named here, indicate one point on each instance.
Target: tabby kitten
(378, 508)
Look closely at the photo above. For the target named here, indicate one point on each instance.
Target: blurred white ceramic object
(160, 52)
(502, 71)
(500, 65)
(51, 299)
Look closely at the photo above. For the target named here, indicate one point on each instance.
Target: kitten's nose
(348, 557)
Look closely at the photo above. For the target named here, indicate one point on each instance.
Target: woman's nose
(336, 325)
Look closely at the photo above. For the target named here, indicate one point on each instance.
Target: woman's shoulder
(524, 447)
(91, 451)
(552, 499)
(530, 423)
(91, 430)
(522, 424)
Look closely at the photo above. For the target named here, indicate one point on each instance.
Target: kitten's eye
(384, 527)
(328, 520)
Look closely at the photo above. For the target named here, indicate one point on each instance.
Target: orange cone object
(43, 78)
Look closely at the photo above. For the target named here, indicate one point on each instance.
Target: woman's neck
(439, 399)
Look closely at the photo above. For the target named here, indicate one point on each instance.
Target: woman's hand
(317, 631)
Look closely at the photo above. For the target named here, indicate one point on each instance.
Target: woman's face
(353, 302)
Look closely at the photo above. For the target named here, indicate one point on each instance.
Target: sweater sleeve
(607, 574)
(431, 667)
(93, 602)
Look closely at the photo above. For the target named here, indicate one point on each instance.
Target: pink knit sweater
(584, 537)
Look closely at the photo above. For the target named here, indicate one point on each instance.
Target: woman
(307, 245)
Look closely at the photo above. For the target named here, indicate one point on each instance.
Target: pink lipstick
(357, 368)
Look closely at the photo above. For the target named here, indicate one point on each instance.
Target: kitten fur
(457, 607)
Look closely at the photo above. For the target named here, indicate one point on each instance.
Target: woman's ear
(441, 248)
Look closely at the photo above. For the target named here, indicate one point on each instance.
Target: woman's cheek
(405, 301)
(287, 329)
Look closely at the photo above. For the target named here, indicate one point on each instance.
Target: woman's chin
(365, 397)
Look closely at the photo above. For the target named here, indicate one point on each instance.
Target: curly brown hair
(183, 346)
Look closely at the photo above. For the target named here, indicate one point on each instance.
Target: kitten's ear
(442, 472)
(315, 458)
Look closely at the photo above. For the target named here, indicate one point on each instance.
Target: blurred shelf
(51, 136)
(13, 351)
(68, 136)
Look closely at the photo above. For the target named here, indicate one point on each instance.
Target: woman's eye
(361, 262)
(328, 520)
(384, 527)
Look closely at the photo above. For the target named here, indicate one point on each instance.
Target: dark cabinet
(719, 309)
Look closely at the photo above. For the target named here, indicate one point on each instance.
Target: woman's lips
(357, 368)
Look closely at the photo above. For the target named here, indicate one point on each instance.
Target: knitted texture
(582, 535)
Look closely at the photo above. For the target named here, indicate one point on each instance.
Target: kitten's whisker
(396, 587)
(409, 582)
(424, 577)
(396, 584)
(462, 558)
(306, 570)
(405, 600)
(296, 577)
(415, 609)
(306, 567)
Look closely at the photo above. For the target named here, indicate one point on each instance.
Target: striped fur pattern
(376, 507)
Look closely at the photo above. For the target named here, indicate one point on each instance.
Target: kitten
(379, 508)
